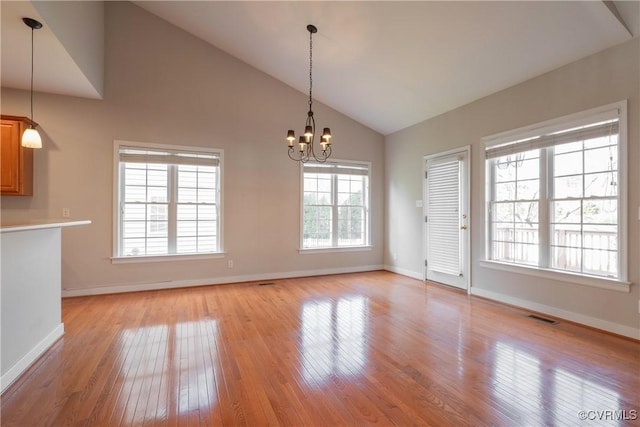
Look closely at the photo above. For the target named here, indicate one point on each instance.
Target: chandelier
(305, 150)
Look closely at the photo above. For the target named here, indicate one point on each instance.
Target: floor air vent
(266, 284)
(543, 319)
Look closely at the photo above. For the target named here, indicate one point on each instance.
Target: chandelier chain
(310, 68)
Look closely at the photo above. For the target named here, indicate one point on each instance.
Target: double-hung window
(556, 194)
(168, 200)
(335, 205)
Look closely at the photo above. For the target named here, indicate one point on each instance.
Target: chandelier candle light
(305, 150)
(31, 137)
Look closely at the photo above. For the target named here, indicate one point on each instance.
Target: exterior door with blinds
(447, 218)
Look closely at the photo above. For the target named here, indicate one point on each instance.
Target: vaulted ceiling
(387, 65)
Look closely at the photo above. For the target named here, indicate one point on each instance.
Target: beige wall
(606, 77)
(163, 85)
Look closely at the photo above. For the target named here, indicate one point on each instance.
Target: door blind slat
(443, 193)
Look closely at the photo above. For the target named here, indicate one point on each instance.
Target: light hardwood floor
(354, 349)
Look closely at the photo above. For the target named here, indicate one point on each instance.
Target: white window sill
(164, 258)
(335, 249)
(563, 276)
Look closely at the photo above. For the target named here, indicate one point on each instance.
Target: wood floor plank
(354, 349)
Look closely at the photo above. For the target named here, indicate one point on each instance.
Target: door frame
(466, 187)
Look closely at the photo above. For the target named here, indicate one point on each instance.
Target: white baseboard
(404, 272)
(23, 364)
(593, 322)
(605, 325)
(171, 284)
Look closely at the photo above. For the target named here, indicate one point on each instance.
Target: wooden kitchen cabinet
(16, 161)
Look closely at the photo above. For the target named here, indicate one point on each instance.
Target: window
(515, 208)
(335, 205)
(168, 200)
(556, 195)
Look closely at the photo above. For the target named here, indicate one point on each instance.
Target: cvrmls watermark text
(609, 415)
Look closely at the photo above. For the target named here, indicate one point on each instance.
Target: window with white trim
(168, 200)
(335, 205)
(556, 195)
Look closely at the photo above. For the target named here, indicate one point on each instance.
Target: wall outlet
(66, 213)
(230, 263)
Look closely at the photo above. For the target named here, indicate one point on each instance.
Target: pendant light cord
(31, 124)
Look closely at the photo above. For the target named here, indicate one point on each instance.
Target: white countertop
(39, 224)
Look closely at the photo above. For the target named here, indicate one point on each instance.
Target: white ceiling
(387, 65)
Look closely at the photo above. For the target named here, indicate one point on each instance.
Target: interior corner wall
(79, 25)
(163, 85)
(606, 77)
